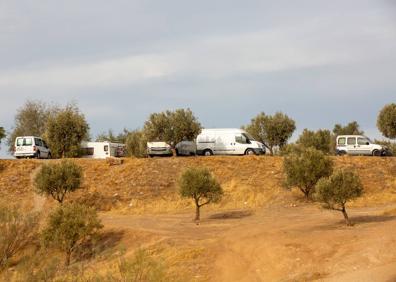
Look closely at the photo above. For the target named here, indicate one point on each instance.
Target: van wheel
(207, 152)
(249, 152)
(341, 153)
(376, 153)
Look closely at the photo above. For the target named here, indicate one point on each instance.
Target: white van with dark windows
(227, 141)
(31, 147)
(358, 145)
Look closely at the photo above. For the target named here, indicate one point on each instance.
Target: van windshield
(248, 136)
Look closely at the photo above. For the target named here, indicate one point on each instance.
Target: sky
(320, 62)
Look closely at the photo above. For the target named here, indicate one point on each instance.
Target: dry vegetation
(141, 209)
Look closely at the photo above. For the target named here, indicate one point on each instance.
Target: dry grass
(150, 185)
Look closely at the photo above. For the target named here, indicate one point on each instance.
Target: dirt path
(302, 243)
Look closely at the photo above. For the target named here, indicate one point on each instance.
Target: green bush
(319, 140)
(69, 227)
(58, 179)
(273, 131)
(304, 167)
(65, 130)
(200, 185)
(136, 144)
(17, 231)
(386, 121)
(338, 189)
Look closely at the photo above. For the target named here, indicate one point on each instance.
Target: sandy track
(302, 243)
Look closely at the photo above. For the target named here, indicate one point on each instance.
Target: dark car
(186, 148)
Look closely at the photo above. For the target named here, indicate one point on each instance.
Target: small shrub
(338, 189)
(69, 227)
(199, 184)
(17, 231)
(56, 180)
(304, 167)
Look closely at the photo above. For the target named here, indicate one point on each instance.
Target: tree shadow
(231, 214)
(371, 218)
(356, 220)
(103, 245)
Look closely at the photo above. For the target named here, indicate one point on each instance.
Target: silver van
(31, 147)
(358, 145)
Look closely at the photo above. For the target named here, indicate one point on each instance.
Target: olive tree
(136, 143)
(18, 230)
(2, 133)
(352, 128)
(304, 167)
(320, 140)
(65, 130)
(386, 121)
(110, 136)
(200, 185)
(69, 227)
(272, 131)
(31, 119)
(336, 190)
(172, 126)
(58, 179)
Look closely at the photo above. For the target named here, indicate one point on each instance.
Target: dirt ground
(295, 243)
(259, 232)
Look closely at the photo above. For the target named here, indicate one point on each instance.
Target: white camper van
(227, 141)
(102, 150)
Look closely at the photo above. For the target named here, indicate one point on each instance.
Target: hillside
(150, 185)
(259, 232)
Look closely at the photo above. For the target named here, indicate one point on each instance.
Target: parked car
(358, 145)
(31, 147)
(159, 149)
(227, 141)
(186, 148)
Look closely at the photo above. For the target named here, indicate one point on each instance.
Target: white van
(358, 145)
(102, 150)
(31, 147)
(227, 141)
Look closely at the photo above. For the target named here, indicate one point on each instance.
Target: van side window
(341, 141)
(351, 141)
(44, 144)
(37, 142)
(240, 139)
(106, 148)
(362, 141)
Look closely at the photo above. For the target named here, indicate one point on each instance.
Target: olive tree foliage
(200, 185)
(386, 121)
(351, 128)
(110, 136)
(2, 133)
(320, 140)
(17, 231)
(303, 168)
(136, 143)
(172, 126)
(335, 191)
(69, 227)
(31, 119)
(65, 130)
(272, 131)
(58, 179)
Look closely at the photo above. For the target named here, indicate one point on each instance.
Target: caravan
(227, 141)
(102, 150)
